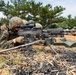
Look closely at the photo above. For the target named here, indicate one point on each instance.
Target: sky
(70, 6)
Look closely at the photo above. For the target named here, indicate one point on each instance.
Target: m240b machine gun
(36, 34)
(31, 33)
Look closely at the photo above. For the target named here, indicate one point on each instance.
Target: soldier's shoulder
(38, 25)
(25, 21)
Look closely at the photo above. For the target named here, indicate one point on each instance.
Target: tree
(29, 9)
(3, 20)
(50, 16)
(2, 4)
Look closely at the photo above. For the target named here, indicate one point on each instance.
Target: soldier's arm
(5, 35)
(11, 43)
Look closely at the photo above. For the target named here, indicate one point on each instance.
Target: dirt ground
(68, 37)
(71, 37)
(41, 60)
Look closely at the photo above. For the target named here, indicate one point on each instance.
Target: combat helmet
(15, 22)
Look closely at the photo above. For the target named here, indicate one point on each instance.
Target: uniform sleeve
(4, 35)
(8, 44)
(4, 42)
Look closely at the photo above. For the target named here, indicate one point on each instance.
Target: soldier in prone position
(7, 40)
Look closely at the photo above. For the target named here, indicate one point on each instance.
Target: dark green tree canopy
(31, 10)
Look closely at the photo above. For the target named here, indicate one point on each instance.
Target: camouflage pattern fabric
(5, 37)
(4, 43)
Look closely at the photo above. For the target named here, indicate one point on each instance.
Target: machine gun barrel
(28, 44)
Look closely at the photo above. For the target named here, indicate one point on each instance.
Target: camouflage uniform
(4, 37)
(3, 40)
(25, 22)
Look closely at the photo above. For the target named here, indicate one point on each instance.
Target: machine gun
(56, 31)
(29, 34)
(35, 34)
(32, 34)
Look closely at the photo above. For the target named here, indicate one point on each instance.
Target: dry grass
(44, 53)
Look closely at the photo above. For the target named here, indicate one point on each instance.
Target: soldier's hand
(19, 40)
(3, 27)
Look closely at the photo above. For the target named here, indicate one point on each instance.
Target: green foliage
(71, 21)
(47, 15)
(68, 22)
(2, 5)
(3, 20)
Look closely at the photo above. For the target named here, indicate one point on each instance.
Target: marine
(9, 37)
(7, 41)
